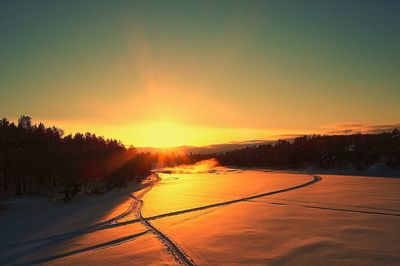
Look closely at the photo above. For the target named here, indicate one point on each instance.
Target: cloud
(208, 149)
(353, 128)
(287, 136)
(333, 129)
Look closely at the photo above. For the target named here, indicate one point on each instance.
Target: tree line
(358, 151)
(39, 159)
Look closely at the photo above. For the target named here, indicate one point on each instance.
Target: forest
(35, 159)
(357, 151)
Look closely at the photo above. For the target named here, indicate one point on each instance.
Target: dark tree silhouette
(359, 151)
(38, 159)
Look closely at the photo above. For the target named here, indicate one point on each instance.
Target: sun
(164, 134)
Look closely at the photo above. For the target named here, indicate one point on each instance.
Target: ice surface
(347, 220)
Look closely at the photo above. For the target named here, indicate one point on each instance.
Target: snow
(194, 190)
(340, 220)
(35, 232)
(213, 218)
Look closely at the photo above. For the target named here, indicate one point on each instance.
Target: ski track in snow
(135, 207)
(225, 203)
(179, 255)
(359, 210)
(112, 243)
(58, 238)
(55, 239)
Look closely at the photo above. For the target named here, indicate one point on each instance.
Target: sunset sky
(167, 73)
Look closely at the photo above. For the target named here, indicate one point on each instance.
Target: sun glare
(165, 134)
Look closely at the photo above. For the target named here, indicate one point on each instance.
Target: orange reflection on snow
(180, 191)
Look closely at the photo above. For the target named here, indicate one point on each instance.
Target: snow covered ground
(340, 220)
(227, 216)
(34, 232)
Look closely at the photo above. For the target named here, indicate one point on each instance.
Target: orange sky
(165, 133)
(198, 73)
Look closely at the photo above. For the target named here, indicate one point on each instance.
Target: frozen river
(230, 216)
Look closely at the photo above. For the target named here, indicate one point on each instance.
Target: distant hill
(214, 148)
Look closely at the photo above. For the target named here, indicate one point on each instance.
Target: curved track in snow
(179, 255)
(224, 203)
(135, 208)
